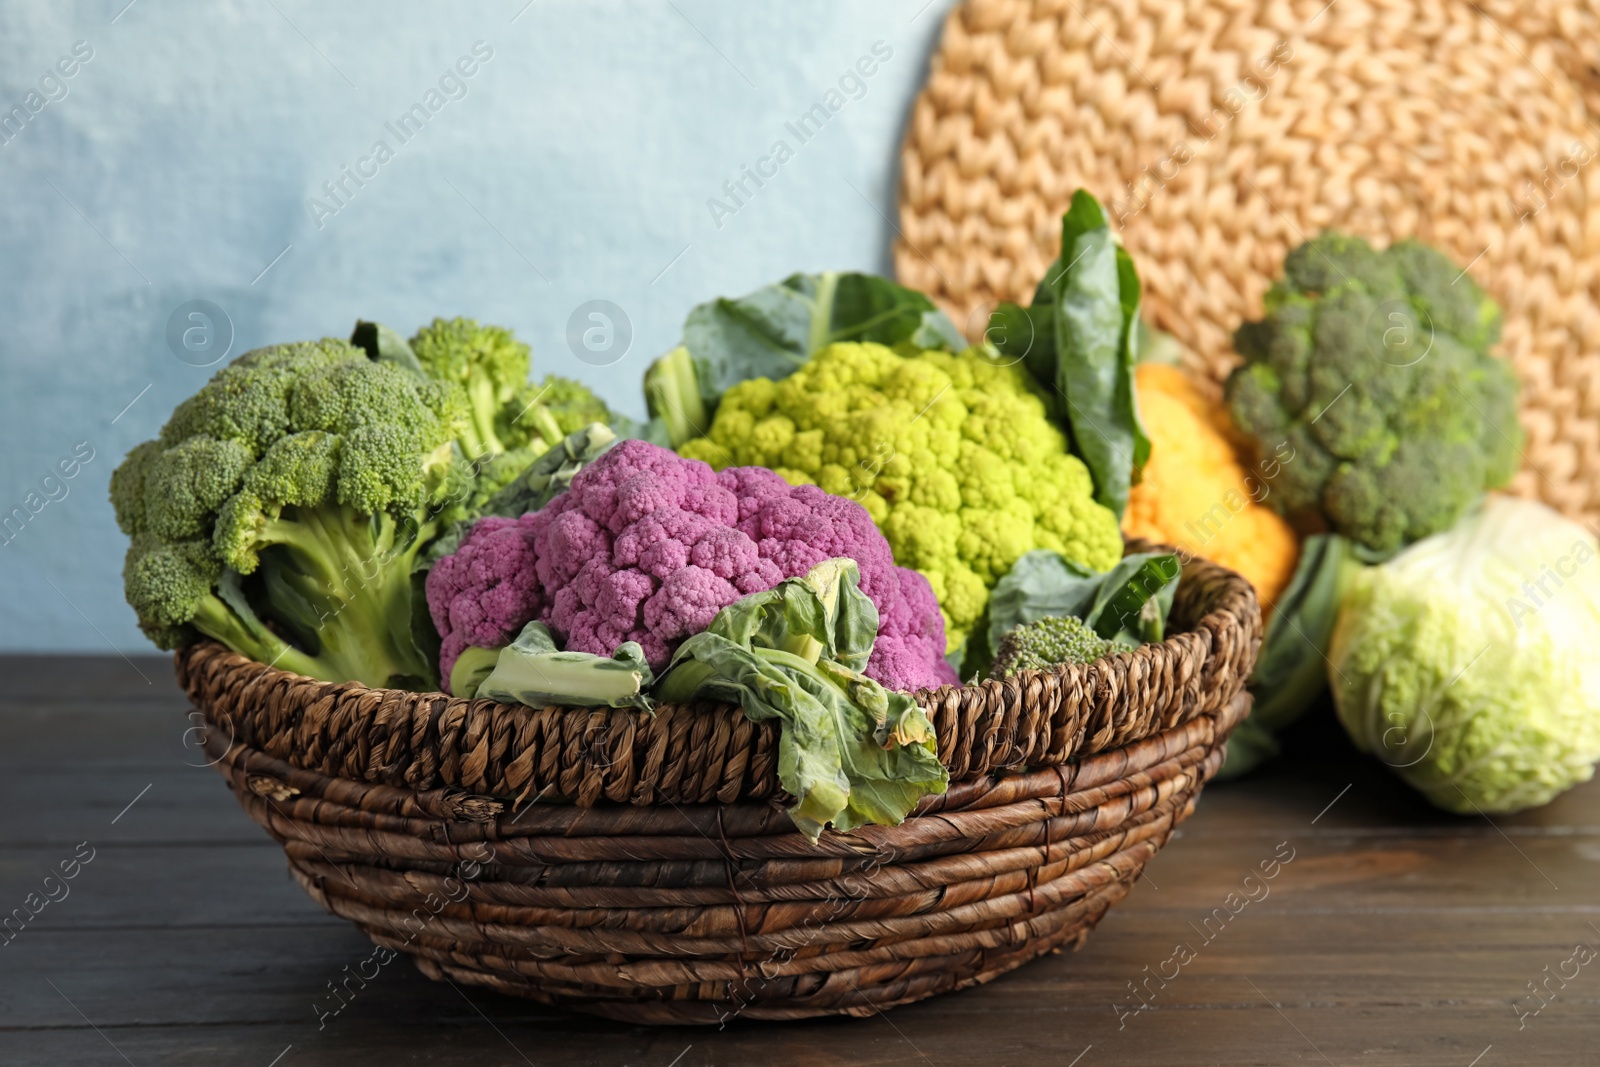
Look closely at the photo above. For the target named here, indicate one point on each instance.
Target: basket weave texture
(657, 877)
(1221, 135)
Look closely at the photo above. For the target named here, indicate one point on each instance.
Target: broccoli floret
(282, 507)
(186, 483)
(487, 362)
(1371, 373)
(1037, 646)
(543, 413)
(498, 411)
(248, 400)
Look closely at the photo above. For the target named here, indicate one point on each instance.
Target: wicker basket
(667, 885)
(1221, 135)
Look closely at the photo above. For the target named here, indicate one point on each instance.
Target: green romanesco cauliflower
(953, 455)
(1371, 372)
(1037, 646)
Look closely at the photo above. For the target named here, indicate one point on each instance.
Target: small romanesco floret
(1371, 372)
(953, 455)
(542, 413)
(1037, 646)
(282, 505)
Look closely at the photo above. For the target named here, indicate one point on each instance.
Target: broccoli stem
(472, 446)
(250, 637)
(544, 424)
(341, 582)
(480, 391)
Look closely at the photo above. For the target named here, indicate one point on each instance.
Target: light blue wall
(180, 161)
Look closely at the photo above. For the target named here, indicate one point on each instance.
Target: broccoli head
(508, 421)
(282, 506)
(487, 362)
(539, 417)
(1037, 646)
(1369, 392)
(543, 413)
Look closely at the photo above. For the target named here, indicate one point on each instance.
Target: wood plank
(1258, 1034)
(205, 883)
(53, 677)
(74, 735)
(153, 975)
(148, 804)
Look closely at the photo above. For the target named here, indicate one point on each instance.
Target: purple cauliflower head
(648, 546)
(482, 595)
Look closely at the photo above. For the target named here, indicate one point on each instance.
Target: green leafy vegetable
(1467, 662)
(773, 331)
(1292, 670)
(851, 752)
(531, 670)
(1127, 605)
(1080, 338)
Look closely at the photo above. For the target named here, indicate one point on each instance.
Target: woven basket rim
(704, 751)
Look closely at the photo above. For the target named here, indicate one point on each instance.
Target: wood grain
(1396, 935)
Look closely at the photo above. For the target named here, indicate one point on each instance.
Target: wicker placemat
(1223, 133)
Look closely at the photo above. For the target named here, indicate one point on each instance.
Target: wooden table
(1394, 935)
